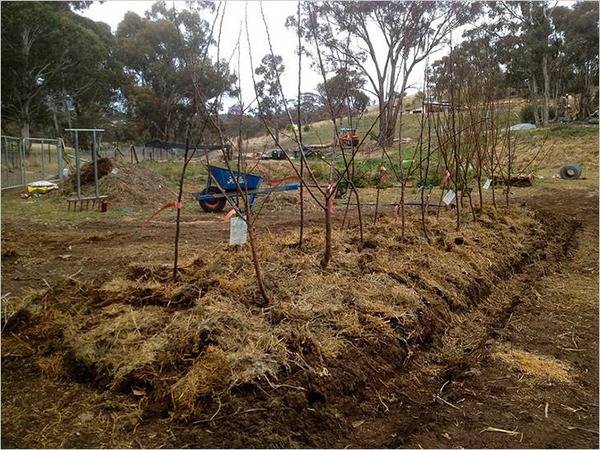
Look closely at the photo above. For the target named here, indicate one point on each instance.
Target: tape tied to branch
(278, 181)
(397, 212)
(446, 178)
(171, 205)
(227, 217)
(330, 205)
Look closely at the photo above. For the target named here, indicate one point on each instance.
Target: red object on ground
(103, 206)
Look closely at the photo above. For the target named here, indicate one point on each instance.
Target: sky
(284, 40)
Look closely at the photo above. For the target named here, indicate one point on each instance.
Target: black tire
(212, 206)
(570, 171)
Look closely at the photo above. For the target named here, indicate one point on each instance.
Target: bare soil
(515, 366)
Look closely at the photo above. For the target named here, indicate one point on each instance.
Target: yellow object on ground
(41, 187)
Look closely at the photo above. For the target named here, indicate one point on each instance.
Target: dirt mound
(203, 345)
(104, 165)
(129, 184)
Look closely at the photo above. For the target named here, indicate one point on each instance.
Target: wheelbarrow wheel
(215, 205)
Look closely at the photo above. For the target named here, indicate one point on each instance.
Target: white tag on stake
(487, 184)
(238, 231)
(449, 197)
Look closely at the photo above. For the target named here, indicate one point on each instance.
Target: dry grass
(540, 367)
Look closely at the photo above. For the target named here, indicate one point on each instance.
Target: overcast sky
(284, 40)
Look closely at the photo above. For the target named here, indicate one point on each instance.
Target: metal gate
(12, 161)
(43, 159)
(30, 159)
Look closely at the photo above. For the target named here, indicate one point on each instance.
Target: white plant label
(488, 183)
(449, 197)
(238, 231)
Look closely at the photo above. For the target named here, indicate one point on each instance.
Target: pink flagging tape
(330, 205)
(446, 178)
(229, 215)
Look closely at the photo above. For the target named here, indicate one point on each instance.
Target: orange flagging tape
(174, 204)
(278, 181)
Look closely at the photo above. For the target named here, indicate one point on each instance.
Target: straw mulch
(196, 343)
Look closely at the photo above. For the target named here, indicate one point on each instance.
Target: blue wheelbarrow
(221, 187)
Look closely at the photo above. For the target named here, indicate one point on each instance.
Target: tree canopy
(156, 70)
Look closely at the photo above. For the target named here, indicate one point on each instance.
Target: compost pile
(105, 165)
(126, 184)
(203, 344)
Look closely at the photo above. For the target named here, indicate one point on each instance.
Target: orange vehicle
(349, 137)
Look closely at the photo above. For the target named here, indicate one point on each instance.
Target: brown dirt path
(521, 370)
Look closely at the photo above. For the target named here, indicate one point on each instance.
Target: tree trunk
(386, 126)
(68, 113)
(55, 121)
(25, 122)
(546, 107)
(536, 109)
(586, 97)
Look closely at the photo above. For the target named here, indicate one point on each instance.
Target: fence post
(95, 157)
(59, 158)
(22, 152)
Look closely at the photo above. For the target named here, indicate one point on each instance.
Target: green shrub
(527, 113)
(320, 169)
(433, 179)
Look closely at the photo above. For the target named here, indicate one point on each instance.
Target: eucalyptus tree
(164, 58)
(528, 44)
(268, 91)
(50, 53)
(578, 27)
(384, 41)
(345, 91)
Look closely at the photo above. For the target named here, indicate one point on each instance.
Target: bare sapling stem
(455, 147)
(425, 176)
(298, 120)
(377, 202)
(510, 157)
(255, 259)
(186, 161)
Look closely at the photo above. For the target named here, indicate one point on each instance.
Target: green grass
(171, 170)
(50, 209)
(322, 132)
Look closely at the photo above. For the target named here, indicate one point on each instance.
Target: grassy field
(322, 132)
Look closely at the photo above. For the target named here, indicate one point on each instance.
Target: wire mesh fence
(30, 159)
(43, 159)
(12, 161)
